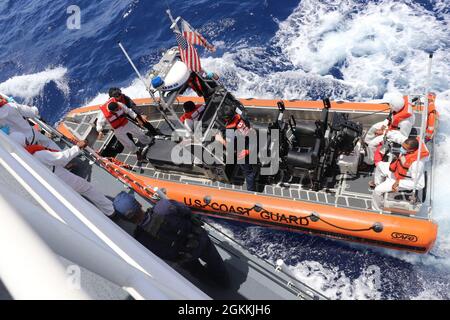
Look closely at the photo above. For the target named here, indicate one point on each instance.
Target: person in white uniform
(115, 113)
(396, 128)
(57, 160)
(13, 116)
(404, 173)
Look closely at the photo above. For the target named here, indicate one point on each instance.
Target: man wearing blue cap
(173, 233)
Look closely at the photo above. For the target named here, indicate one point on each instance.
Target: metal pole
(423, 126)
(161, 101)
(136, 70)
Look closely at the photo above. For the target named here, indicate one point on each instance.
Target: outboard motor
(176, 77)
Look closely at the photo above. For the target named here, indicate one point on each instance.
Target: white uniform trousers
(121, 135)
(86, 189)
(384, 180)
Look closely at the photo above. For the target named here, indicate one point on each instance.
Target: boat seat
(305, 128)
(400, 201)
(305, 160)
(306, 133)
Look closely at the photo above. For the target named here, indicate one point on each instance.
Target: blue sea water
(308, 49)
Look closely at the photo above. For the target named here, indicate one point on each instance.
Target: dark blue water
(272, 49)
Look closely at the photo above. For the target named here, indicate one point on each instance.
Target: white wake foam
(30, 86)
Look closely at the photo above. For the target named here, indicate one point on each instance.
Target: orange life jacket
(432, 119)
(3, 101)
(32, 149)
(116, 120)
(193, 115)
(400, 167)
(397, 117)
(239, 124)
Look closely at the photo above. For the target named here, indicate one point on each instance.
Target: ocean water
(308, 49)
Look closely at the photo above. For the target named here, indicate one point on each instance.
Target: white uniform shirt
(12, 115)
(101, 120)
(408, 183)
(403, 132)
(57, 159)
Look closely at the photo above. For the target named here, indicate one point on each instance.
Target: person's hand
(395, 186)
(140, 122)
(219, 138)
(144, 118)
(380, 131)
(82, 144)
(100, 135)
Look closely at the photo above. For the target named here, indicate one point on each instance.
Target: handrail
(64, 204)
(80, 250)
(28, 268)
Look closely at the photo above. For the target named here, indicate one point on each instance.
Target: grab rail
(64, 204)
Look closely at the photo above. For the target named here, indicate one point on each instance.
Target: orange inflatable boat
(319, 185)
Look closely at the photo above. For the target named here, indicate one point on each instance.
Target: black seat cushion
(305, 160)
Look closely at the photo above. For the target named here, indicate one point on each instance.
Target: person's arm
(189, 123)
(4, 112)
(101, 121)
(61, 158)
(129, 112)
(408, 183)
(26, 111)
(130, 103)
(405, 127)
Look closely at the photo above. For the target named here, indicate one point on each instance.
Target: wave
(30, 86)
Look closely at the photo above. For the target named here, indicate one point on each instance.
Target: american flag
(188, 53)
(195, 38)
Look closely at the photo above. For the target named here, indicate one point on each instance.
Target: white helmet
(18, 138)
(395, 100)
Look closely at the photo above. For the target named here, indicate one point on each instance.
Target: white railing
(28, 268)
(118, 257)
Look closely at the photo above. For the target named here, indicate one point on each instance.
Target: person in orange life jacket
(173, 233)
(192, 113)
(56, 161)
(396, 128)
(236, 126)
(400, 174)
(126, 100)
(116, 114)
(13, 115)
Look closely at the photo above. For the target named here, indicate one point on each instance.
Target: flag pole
(160, 102)
(174, 25)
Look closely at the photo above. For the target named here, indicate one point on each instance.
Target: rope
(371, 114)
(341, 228)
